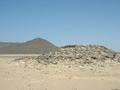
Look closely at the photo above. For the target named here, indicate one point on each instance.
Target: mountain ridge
(34, 46)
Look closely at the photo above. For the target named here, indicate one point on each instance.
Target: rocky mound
(92, 56)
(35, 46)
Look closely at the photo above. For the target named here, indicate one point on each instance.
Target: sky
(62, 22)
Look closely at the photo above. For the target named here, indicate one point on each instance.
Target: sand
(17, 77)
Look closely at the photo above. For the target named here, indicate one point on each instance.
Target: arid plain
(15, 76)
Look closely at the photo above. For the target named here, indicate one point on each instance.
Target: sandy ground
(16, 77)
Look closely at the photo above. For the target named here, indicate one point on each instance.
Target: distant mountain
(35, 46)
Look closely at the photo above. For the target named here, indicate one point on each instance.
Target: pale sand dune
(16, 77)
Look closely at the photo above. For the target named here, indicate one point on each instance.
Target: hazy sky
(61, 21)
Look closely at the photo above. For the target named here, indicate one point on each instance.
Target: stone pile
(77, 55)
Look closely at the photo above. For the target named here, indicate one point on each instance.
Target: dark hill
(35, 46)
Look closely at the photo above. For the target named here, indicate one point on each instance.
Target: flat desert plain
(14, 76)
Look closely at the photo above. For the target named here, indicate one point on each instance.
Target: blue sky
(61, 21)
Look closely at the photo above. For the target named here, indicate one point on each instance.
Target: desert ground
(15, 76)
